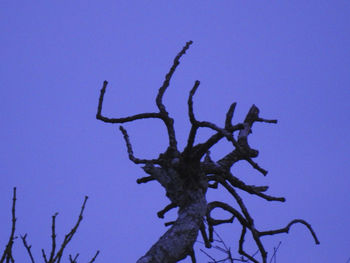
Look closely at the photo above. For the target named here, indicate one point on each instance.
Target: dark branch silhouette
(54, 257)
(187, 175)
(222, 247)
(7, 254)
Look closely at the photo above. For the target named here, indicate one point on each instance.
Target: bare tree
(56, 252)
(186, 176)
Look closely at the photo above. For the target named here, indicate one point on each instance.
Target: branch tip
(229, 116)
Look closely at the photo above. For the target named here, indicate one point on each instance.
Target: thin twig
(7, 254)
(70, 235)
(73, 260)
(28, 247)
(93, 259)
(168, 76)
(130, 151)
(275, 249)
(53, 237)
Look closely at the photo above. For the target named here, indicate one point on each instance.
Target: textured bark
(178, 241)
(186, 176)
(186, 187)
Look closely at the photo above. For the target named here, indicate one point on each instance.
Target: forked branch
(186, 177)
(162, 114)
(54, 257)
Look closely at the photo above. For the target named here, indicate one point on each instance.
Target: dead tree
(186, 176)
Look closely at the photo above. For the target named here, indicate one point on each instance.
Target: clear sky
(290, 58)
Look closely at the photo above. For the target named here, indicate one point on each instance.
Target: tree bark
(186, 176)
(177, 242)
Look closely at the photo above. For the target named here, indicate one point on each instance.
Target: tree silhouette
(56, 252)
(186, 176)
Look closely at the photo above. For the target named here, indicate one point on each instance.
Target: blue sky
(290, 58)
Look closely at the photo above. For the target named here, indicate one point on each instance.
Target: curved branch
(196, 124)
(130, 151)
(240, 248)
(162, 114)
(286, 229)
(194, 127)
(242, 149)
(201, 149)
(140, 116)
(168, 76)
(226, 207)
(169, 122)
(249, 219)
(190, 103)
(162, 212)
(229, 116)
(252, 189)
(186, 177)
(240, 203)
(212, 222)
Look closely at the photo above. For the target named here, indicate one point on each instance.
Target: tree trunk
(177, 242)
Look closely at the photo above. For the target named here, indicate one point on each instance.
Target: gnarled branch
(186, 178)
(162, 114)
